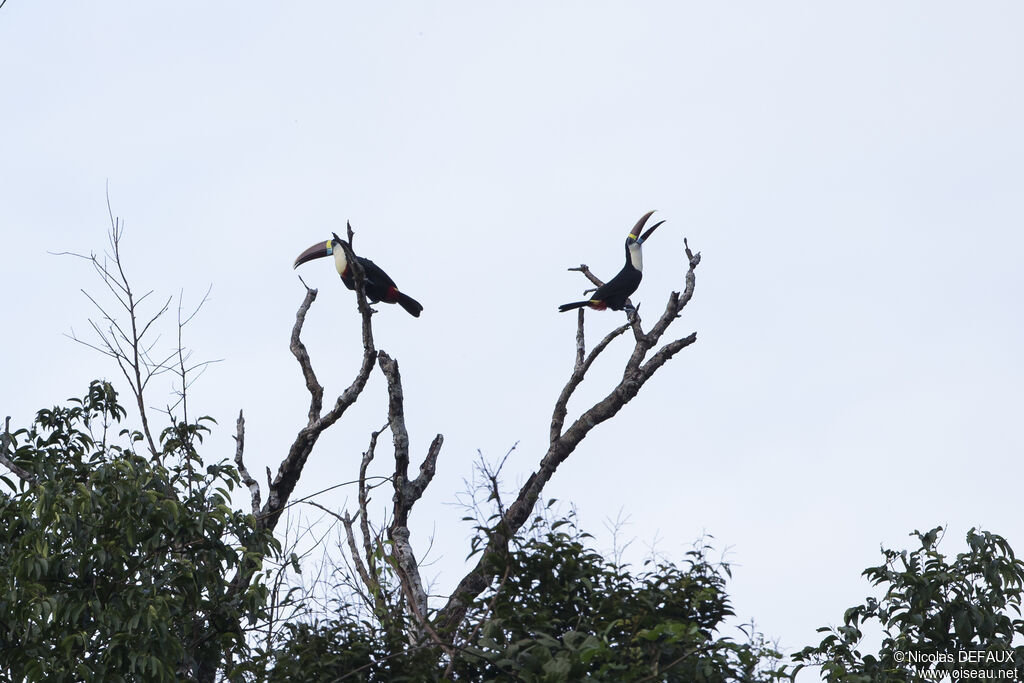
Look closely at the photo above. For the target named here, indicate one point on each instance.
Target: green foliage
(347, 648)
(932, 611)
(113, 567)
(563, 612)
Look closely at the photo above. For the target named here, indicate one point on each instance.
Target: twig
(582, 268)
(364, 501)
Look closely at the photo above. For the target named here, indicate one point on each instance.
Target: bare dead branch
(298, 350)
(405, 496)
(195, 311)
(597, 282)
(134, 360)
(153, 319)
(563, 443)
(290, 469)
(406, 492)
(254, 488)
(581, 342)
(579, 371)
(106, 316)
(375, 599)
(399, 435)
(101, 349)
(493, 476)
(418, 611)
(182, 370)
(364, 501)
(427, 469)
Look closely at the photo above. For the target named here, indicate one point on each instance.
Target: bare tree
(127, 334)
(439, 626)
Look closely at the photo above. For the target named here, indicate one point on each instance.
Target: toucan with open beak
(377, 285)
(613, 294)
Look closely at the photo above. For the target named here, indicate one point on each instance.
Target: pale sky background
(852, 174)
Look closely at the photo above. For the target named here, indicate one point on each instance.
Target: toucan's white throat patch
(636, 256)
(340, 262)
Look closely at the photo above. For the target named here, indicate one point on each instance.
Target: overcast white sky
(852, 174)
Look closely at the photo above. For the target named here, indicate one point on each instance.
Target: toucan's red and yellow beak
(318, 250)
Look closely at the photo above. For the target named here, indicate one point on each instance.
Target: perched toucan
(378, 286)
(613, 294)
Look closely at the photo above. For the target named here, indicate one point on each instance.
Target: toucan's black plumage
(613, 294)
(378, 286)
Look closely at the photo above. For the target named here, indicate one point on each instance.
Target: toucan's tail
(576, 304)
(412, 306)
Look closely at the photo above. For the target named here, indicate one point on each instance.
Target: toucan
(613, 294)
(377, 285)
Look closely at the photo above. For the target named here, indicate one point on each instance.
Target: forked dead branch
(562, 442)
(290, 469)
